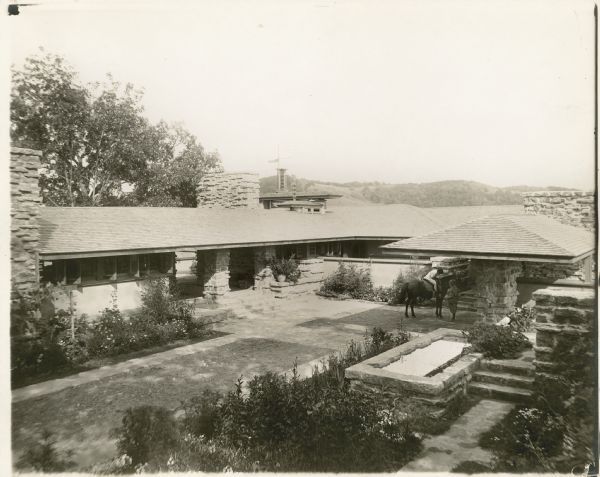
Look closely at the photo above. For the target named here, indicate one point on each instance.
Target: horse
(416, 288)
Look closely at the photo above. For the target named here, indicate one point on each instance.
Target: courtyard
(271, 335)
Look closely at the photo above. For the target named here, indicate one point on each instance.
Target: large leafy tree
(98, 148)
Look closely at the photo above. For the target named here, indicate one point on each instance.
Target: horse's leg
(406, 309)
(412, 308)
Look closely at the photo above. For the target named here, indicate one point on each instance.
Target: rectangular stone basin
(423, 361)
(403, 370)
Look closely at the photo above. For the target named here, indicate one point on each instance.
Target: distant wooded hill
(429, 194)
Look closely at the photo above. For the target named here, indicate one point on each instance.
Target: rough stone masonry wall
(563, 317)
(25, 213)
(229, 190)
(263, 276)
(554, 271)
(569, 207)
(495, 287)
(311, 277)
(216, 273)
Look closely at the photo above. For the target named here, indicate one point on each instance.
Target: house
(103, 252)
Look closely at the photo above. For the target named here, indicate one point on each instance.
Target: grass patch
(20, 382)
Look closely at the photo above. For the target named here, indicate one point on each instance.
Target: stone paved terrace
(81, 410)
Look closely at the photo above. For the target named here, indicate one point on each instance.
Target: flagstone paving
(461, 442)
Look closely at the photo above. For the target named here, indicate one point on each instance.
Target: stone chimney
(229, 190)
(568, 207)
(25, 215)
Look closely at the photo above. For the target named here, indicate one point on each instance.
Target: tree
(95, 140)
(174, 171)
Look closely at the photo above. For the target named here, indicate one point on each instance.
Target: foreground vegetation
(555, 433)
(46, 341)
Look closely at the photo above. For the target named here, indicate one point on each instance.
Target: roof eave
(393, 251)
(49, 255)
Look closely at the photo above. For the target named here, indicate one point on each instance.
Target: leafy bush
(522, 319)
(147, 432)
(413, 272)
(287, 267)
(499, 342)
(280, 424)
(349, 280)
(42, 337)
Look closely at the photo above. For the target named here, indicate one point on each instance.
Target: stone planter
(281, 278)
(436, 391)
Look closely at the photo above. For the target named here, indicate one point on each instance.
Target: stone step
(511, 366)
(497, 391)
(504, 379)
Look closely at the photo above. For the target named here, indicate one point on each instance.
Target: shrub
(147, 432)
(42, 337)
(413, 272)
(500, 342)
(201, 413)
(522, 319)
(279, 424)
(349, 280)
(287, 267)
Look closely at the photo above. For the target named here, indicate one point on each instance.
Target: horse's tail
(403, 293)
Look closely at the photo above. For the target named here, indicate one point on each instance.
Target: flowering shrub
(285, 424)
(348, 280)
(522, 319)
(500, 342)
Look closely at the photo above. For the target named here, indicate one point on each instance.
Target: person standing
(452, 296)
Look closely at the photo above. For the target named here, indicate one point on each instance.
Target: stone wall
(311, 277)
(564, 316)
(263, 276)
(569, 207)
(215, 268)
(229, 190)
(549, 272)
(25, 213)
(495, 287)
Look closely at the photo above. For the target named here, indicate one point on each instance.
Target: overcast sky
(392, 91)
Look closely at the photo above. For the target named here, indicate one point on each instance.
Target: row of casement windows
(88, 271)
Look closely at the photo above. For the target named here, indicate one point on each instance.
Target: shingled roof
(86, 231)
(506, 237)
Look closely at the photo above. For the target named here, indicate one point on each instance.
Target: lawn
(82, 417)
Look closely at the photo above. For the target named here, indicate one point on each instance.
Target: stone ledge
(562, 328)
(23, 151)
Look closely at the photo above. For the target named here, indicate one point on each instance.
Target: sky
(499, 92)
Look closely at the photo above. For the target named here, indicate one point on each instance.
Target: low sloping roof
(509, 237)
(81, 231)
(284, 194)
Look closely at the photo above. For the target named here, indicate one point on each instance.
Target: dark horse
(415, 289)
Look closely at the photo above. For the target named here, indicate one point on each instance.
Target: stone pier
(564, 319)
(24, 214)
(216, 273)
(495, 286)
(263, 276)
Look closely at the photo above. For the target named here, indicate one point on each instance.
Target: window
(72, 272)
(89, 270)
(108, 267)
(124, 267)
